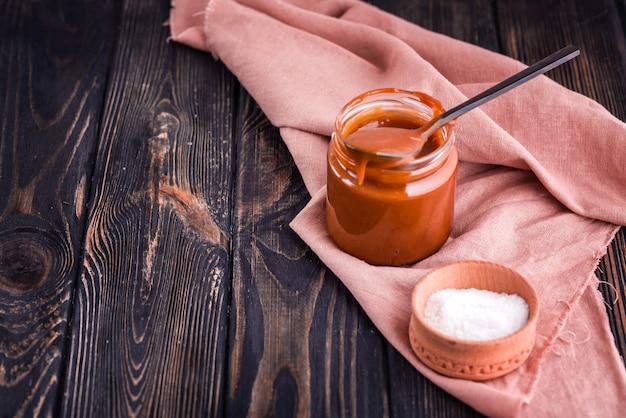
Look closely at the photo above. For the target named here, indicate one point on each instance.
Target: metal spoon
(421, 134)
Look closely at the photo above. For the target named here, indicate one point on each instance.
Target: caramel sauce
(391, 140)
(391, 132)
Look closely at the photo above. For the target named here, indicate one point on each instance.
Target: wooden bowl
(472, 360)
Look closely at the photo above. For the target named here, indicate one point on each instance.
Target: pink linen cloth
(531, 193)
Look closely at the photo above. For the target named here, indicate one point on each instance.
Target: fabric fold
(532, 193)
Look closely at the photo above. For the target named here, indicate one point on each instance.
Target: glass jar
(390, 210)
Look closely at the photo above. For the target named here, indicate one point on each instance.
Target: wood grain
(300, 344)
(146, 263)
(149, 324)
(474, 22)
(52, 80)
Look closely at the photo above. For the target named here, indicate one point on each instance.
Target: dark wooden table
(146, 265)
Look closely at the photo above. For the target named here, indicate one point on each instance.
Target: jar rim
(424, 104)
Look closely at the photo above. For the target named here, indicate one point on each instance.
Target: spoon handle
(529, 73)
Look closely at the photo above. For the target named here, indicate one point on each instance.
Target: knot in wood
(24, 265)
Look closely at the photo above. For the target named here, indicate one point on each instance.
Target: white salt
(475, 315)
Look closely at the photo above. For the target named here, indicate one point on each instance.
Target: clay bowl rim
(533, 306)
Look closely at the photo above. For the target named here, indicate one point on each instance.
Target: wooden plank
(621, 8)
(149, 325)
(54, 64)
(300, 345)
(411, 393)
(531, 30)
(470, 21)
